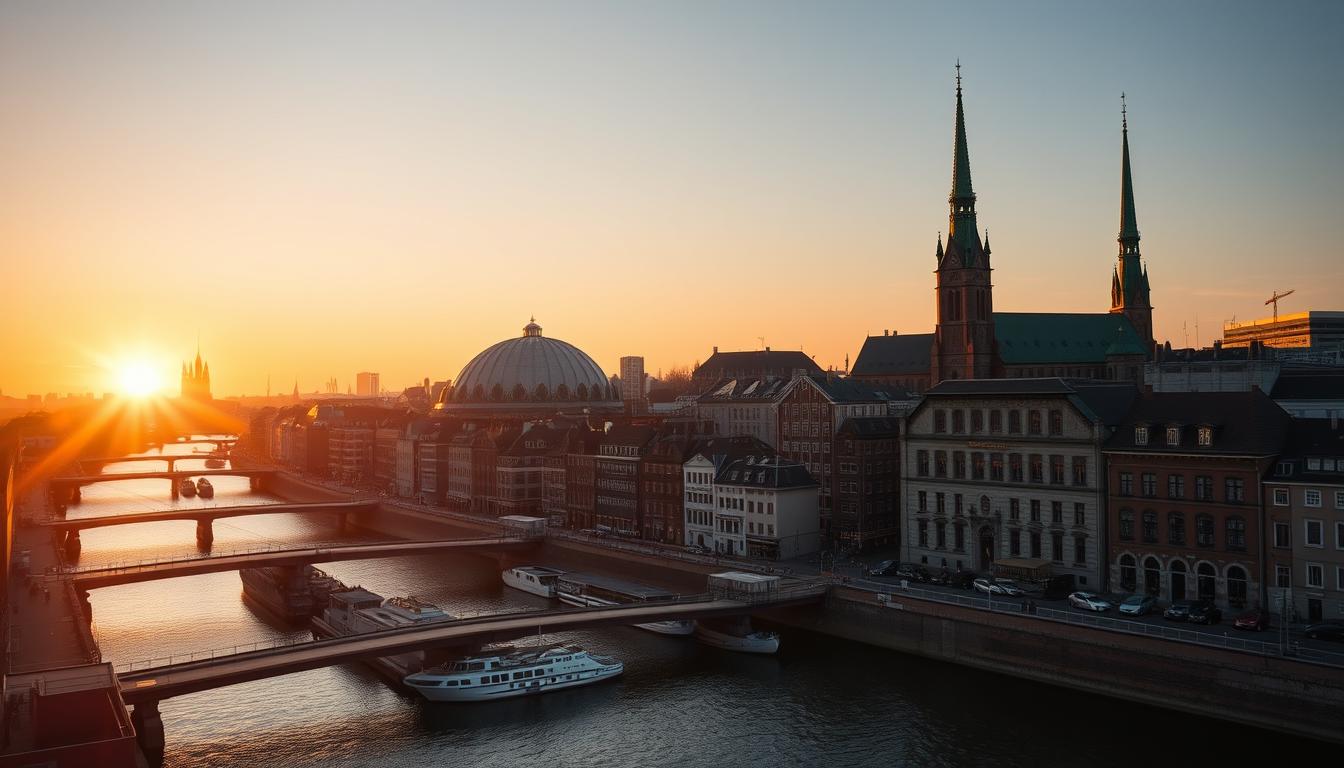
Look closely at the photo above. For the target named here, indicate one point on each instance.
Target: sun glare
(138, 379)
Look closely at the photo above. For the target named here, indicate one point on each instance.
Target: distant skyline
(324, 188)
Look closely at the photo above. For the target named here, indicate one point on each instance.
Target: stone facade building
(1304, 499)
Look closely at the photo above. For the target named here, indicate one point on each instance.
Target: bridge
(204, 516)
(219, 442)
(70, 485)
(170, 459)
(145, 688)
(109, 575)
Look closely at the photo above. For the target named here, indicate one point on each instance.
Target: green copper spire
(962, 239)
(961, 158)
(1129, 225)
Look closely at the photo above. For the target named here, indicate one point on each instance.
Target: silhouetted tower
(1129, 282)
(196, 378)
(963, 341)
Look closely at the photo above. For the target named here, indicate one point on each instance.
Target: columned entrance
(986, 549)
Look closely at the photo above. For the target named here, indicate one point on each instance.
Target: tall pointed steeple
(962, 238)
(1129, 225)
(1129, 282)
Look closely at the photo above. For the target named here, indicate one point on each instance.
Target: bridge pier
(254, 483)
(72, 543)
(76, 494)
(205, 531)
(149, 729)
(172, 487)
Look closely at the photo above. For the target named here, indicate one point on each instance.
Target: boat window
(451, 683)
(485, 680)
(517, 675)
(477, 666)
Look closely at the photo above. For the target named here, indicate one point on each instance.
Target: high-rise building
(366, 384)
(632, 384)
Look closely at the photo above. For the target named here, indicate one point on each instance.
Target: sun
(138, 379)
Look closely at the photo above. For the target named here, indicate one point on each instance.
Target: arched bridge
(204, 516)
(96, 576)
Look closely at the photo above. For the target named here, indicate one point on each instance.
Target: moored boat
(213, 463)
(356, 611)
(186, 487)
(535, 579)
(749, 642)
(505, 673)
(205, 489)
(586, 591)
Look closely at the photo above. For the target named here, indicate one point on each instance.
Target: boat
(587, 590)
(505, 673)
(536, 579)
(186, 487)
(356, 611)
(742, 641)
(205, 489)
(294, 596)
(214, 463)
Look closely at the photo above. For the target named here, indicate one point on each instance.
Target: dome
(545, 369)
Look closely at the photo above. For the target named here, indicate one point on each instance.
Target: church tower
(1129, 282)
(963, 341)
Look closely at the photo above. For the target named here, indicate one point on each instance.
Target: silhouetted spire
(1129, 225)
(961, 157)
(963, 242)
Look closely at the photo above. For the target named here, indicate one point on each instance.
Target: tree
(678, 380)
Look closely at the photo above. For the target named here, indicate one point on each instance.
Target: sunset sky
(319, 189)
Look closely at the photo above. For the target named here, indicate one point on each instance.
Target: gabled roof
(752, 389)
(894, 355)
(765, 472)
(844, 390)
(1244, 423)
(1065, 338)
(735, 365)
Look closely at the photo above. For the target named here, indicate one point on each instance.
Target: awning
(1024, 568)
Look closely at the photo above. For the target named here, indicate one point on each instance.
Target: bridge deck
(204, 513)
(94, 577)
(175, 680)
(176, 474)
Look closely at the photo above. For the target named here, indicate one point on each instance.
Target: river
(820, 702)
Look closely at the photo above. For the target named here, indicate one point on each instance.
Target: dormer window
(1173, 435)
(1206, 436)
(1284, 469)
(1140, 435)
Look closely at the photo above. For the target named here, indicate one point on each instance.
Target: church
(196, 379)
(972, 341)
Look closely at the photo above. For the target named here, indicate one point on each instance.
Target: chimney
(767, 350)
(716, 350)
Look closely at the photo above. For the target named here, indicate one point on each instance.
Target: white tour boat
(585, 591)
(536, 579)
(750, 642)
(356, 611)
(508, 672)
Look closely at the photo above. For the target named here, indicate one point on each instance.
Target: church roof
(1032, 338)
(894, 355)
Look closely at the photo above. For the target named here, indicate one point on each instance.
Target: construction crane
(1275, 301)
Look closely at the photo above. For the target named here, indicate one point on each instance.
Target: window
(996, 466)
(1015, 542)
(1235, 489)
(996, 422)
(1057, 547)
(1056, 422)
(958, 464)
(1036, 544)
(977, 421)
(1339, 499)
(959, 421)
(1206, 436)
(1037, 469)
(1204, 530)
(1127, 524)
(1079, 514)
(1035, 510)
(1315, 533)
(1311, 498)
(1140, 435)
(1126, 483)
(977, 465)
(1079, 470)
(1149, 526)
(1175, 486)
(940, 420)
(1314, 465)
(1176, 528)
(1280, 497)
(1204, 488)
(1056, 470)
(1282, 535)
(922, 460)
(1236, 534)
(1015, 467)
(1149, 484)
(924, 533)
(1339, 534)
(1315, 575)
(1034, 422)
(1014, 509)
(1284, 469)
(956, 504)
(941, 499)
(1173, 435)
(959, 539)
(1128, 573)
(1014, 422)
(923, 501)
(1283, 576)
(1079, 550)
(940, 531)
(1057, 512)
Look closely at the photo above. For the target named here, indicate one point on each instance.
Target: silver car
(1088, 601)
(1138, 605)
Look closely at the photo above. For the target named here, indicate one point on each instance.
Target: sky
(316, 189)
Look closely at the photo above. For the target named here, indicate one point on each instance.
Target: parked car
(989, 586)
(696, 549)
(1204, 612)
(1058, 587)
(940, 577)
(1256, 619)
(1010, 587)
(1178, 611)
(884, 568)
(961, 579)
(1088, 601)
(1138, 605)
(911, 572)
(1326, 630)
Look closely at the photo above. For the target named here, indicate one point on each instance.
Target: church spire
(961, 158)
(963, 242)
(1129, 225)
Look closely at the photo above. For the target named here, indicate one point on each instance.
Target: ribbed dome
(532, 360)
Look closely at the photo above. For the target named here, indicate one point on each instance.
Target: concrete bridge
(145, 688)
(215, 441)
(204, 517)
(171, 460)
(96, 576)
(68, 487)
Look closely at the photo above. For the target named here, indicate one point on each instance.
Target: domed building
(530, 375)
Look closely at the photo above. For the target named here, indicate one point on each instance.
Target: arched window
(1127, 574)
(1127, 525)
(1207, 580)
(1176, 528)
(1152, 576)
(1177, 579)
(1236, 534)
(1236, 586)
(1149, 526)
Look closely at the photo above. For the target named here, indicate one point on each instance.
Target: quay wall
(1267, 692)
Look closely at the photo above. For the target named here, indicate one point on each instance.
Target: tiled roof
(765, 472)
(745, 390)
(846, 390)
(894, 355)
(1104, 401)
(1321, 439)
(871, 426)
(1039, 338)
(1244, 423)
(756, 363)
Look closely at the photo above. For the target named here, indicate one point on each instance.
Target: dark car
(1328, 630)
(1256, 619)
(940, 577)
(911, 572)
(1178, 611)
(961, 579)
(1204, 612)
(884, 568)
